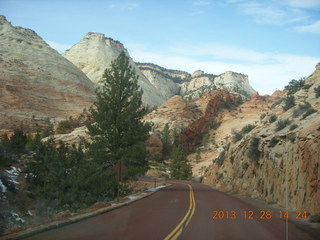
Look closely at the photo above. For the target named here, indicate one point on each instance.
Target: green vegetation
(273, 118)
(293, 126)
(254, 152)
(118, 134)
(295, 85)
(308, 112)
(166, 141)
(317, 91)
(289, 102)
(292, 137)
(274, 141)
(67, 126)
(301, 109)
(262, 116)
(281, 124)
(64, 175)
(179, 166)
(237, 136)
(222, 156)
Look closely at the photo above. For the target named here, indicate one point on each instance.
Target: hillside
(36, 82)
(282, 146)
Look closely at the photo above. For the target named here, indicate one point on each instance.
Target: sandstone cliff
(174, 82)
(94, 53)
(36, 82)
(276, 153)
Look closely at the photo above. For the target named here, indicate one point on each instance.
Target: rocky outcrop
(94, 53)
(36, 82)
(235, 83)
(215, 101)
(277, 163)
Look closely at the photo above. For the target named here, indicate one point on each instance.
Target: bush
(254, 152)
(237, 136)
(222, 156)
(295, 85)
(273, 142)
(301, 109)
(317, 91)
(309, 112)
(289, 102)
(293, 126)
(281, 124)
(277, 103)
(273, 118)
(245, 166)
(262, 116)
(292, 137)
(247, 128)
(315, 217)
(67, 126)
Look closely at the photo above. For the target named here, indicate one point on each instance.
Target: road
(182, 211)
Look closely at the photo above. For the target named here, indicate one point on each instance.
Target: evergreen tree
(118, 134)
(166, 142)
(180, 167)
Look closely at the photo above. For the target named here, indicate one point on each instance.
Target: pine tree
(118, 134)
(180, 167)
(166, 142)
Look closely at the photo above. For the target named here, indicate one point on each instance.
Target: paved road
(181, 211)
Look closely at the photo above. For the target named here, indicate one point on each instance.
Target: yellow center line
(178, 230)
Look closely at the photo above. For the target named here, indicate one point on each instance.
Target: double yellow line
(179, 229)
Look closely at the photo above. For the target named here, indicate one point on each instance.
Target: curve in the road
(178, 231)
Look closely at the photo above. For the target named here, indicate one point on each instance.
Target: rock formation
(94, 53)
(36, 82)
(276, 154)
(174, 82)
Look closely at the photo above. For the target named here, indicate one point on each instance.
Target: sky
(271, 41)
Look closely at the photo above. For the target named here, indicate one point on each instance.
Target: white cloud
(124, 6)
(194, 13)
(201, 3)
(60, 47)
(312, 28)
(267, 71)
(304, 3)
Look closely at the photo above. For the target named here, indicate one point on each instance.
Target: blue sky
(270, 40)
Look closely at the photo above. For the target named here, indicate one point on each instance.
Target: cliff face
(270, 157)
(36, 82)
(195, 85)
(94, 53)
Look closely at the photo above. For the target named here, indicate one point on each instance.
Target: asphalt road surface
(182, 211)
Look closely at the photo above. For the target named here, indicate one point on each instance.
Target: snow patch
(14, 171)
(3, 187)
(17, 217)
(156, 188)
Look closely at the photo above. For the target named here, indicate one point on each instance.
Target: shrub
(292, 137)
(273, 142)
(281, 124)
(301, 109)
(254, 152)
(232, 159)
(293, 126)
(277, 103)
(307, 86)
(222, 156)
(247, 128)
(262, 116)
(308, 112)
(237, 136)
(315, 217)
(317, 91)
(67, 126)
(295, 85)
(273, 118)
(289, 102)
(245, 166)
